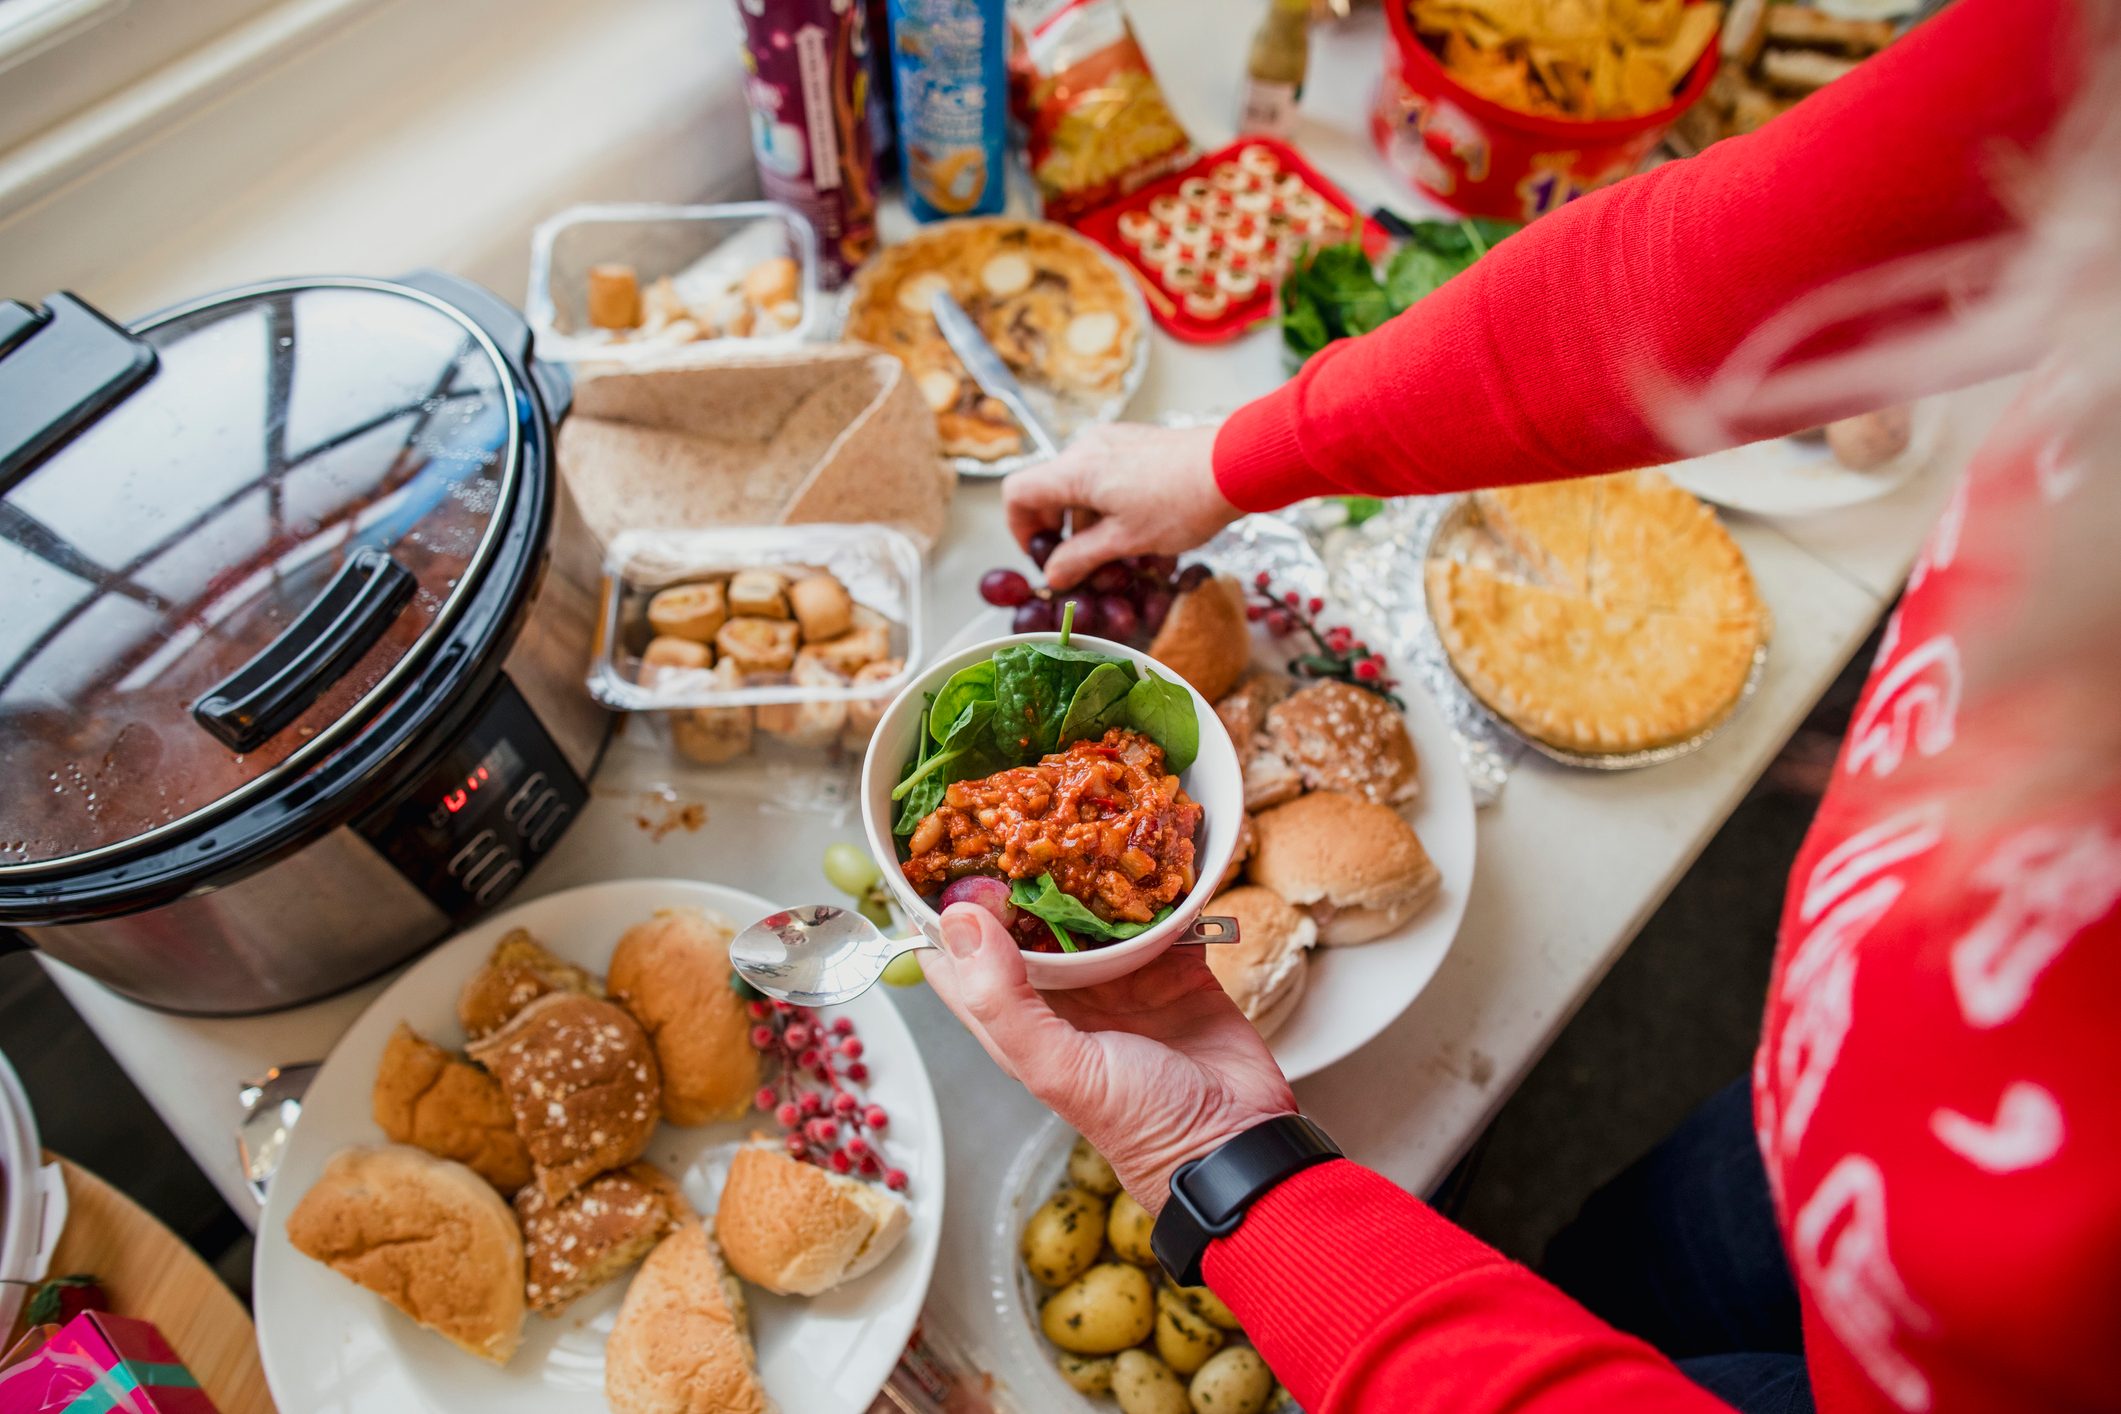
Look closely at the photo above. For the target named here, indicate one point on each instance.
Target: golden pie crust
(1051, 305)
(1632, 623)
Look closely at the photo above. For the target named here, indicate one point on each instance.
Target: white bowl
(1214, 780)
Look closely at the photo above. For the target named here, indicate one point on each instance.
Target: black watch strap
(1211, 1195)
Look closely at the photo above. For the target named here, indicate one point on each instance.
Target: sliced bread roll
(682, 1344)
(797, 1229)
(427, 1235)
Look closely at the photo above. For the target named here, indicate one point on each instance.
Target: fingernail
(961, 932)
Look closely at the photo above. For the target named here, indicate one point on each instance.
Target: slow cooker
(294, 610)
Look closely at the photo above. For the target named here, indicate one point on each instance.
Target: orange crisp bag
(1095, 122)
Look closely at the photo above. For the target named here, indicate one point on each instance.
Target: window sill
(416, 132)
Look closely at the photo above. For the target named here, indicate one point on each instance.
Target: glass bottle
(1274, 71)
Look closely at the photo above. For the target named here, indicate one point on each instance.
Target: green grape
(905, 970)
(849, 869)
(873, 908)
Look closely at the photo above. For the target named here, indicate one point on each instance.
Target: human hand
(1136, 490)
(1154, 1068)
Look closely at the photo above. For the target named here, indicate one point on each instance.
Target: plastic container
(32, 1201)
(704, 250)
(1476, 156)
(1128, 226)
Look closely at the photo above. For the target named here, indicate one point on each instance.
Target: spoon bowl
(816, 955)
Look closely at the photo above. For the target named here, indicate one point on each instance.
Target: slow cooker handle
(505, 325)
(250, 706)
(61, 368)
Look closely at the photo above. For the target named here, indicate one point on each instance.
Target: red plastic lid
(218, 581)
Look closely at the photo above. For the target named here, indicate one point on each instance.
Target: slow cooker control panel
(469, 829)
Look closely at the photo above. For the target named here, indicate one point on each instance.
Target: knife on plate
(988, 370)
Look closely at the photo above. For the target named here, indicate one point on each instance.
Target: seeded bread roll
(682, 1344)
(428, 1098)
(1355, 866)
(581, 1078)
(427, 1235)
(796, 1229)
(1340, 737)
(572, 1247)
(672, 973)
(519, 972)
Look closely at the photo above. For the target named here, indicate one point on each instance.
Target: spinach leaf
(1360, 508)
(1069, 917)
(1099, 704)
(1163, 712)
(968, 750)
(1033, 685)
(972, 683)
(1416, 270)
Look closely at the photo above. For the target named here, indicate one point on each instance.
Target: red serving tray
(1165, 306)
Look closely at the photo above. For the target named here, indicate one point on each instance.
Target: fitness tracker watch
(1211, 1195)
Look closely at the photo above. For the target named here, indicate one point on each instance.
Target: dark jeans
(1682, 1250)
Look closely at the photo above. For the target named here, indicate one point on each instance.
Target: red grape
(1193, 577)
(984, 891)
(1155, 608)
(1086, 616)
(1042, 546)
(1035, 616)
(1160, 567)
(1118, 617)
(1109, 578)
(1005, 588)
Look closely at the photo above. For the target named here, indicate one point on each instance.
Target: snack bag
(1095, 122)
(946, 58)
(806, 79)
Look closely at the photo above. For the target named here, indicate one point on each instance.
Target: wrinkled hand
(1154, 1068)
(1136, 491)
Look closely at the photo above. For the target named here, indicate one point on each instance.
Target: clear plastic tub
(705, 251)
(793, 735)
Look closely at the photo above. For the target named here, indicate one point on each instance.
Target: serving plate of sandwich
(564, 1163)
(1355, 855)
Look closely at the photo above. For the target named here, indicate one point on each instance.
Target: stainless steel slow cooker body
(302, 605)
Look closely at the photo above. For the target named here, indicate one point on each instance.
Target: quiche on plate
(1622, 616)
(1048, 300)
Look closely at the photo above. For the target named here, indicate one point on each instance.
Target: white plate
(328, 1345)
(1354, 993)
(1791, 476)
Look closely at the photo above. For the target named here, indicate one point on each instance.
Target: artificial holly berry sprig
(822, 1121)
(1340, 654)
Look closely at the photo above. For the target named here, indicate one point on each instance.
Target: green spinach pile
(1025, 702)
(1335, 293)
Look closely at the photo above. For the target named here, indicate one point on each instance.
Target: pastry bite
(672, 974)
(574, 1246)
(822, 607)
(662, 307)
(711, 736)
(810, 724)
(1355, 866)
(427, 1235)
(426, 1097)
(614, 297)
(582, 1080)
(797, 1229)
(1343, 738)
(758, 645)
(758, 594)
(1205, 640)
(1264, 971)
(1243, 709)
(517, 974)
(668, 656)
(771, 283)
(694, 611)
(865, 713)
(868, 641)
(682, 1342)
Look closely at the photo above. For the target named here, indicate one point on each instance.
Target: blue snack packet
(947, 59)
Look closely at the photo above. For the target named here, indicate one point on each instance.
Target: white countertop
(1570, 865)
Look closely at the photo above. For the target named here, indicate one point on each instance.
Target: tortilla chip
(1574, 58)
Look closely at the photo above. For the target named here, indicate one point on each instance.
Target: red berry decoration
(895, 1179)
(824, 1122)
(857, 1072)
(1368, 670)
(797, 1145)
(841, 1026)
(1261, 580)
(875, 1117)
(1279, 623)
(845, 1104)
(857, 1147)
(840, 1162)
(766, 1098)
(851, 1048)
(797, 1036)
(759, 1010)
(762, 1038)
(787, 1115)
(1338, 654)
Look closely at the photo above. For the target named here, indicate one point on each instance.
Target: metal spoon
(271, 1105)
(818, 955)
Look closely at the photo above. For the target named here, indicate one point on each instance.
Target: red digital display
(492, 772)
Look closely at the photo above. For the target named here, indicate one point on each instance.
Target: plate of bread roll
(564, 1162)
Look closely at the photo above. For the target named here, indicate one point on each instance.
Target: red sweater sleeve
(1534, 364)
(1362, 1299)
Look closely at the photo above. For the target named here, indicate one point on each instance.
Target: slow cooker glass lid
(213, 585)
